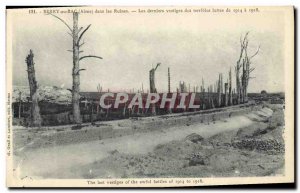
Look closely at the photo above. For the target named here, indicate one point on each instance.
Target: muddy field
(247, 144)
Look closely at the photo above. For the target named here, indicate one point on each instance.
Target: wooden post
(36, 119)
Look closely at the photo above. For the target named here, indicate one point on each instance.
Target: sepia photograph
(168, 96)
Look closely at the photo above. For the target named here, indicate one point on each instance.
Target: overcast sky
(194, 46)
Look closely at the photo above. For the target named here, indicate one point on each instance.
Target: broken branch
(158, 64)
(251, 69)
(83, 33)
(80, 70)
(79, 30)
(90, 56)
(255, 52)
(81, 44)
(60, 20)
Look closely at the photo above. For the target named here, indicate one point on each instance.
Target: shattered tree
(219, 87)
(244, 62)
(230, 89)
(169, 87)
(152, 79)
(226, 94)
(247, 69)
(169, 81)
(77, 34)
(203, 94)
(35, 117)
(152, 86)
(20, 104)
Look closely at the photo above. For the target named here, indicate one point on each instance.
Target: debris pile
(268, 146)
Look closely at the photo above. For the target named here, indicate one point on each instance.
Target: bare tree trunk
(107, 110)
(152, 81)
(169, 88)
(234, 97)
(169, 81)
(77, 35)
(36, 119)
(152, 87)
(237, 71)
(75, 73)
(243, 85)
(20, 105)
(124, 110)
(219, 91)
(230, 89)
(246, 79)
(226, 94)
(242, 94)
(247, 74)
(245, 94)
(208, 98)
(243, 82)
(221, 84)
(212, 102)
(91, 111)
(203, 94)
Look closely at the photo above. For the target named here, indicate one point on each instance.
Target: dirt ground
(246, 145)
(254, 150)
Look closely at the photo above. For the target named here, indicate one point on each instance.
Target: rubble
(268, 146)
